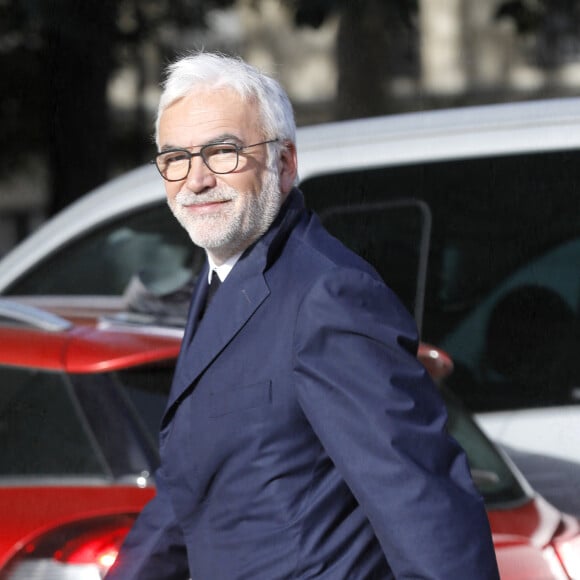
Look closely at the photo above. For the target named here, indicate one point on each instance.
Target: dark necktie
(212, 289)
(214, 285)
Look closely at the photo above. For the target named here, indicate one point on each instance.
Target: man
(301, 439)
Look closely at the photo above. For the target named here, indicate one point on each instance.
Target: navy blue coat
(302, 438)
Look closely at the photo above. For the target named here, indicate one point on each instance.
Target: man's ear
(287, 166)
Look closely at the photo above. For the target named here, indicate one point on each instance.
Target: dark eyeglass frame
(201, 153)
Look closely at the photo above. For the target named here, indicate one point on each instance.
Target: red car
(80, 405)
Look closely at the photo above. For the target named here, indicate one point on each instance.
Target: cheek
(172, 188)
(245, 182)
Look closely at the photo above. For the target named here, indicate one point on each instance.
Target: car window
(393, 235)
(148, 242)
(523, 340)
(498, 224)
(43, 433)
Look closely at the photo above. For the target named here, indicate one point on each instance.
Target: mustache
(216, 195)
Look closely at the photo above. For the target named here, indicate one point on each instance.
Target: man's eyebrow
(223, 138)
(169, 147)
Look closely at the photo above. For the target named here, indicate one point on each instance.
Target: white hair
(202, 70)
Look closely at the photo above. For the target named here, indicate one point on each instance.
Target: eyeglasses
(221, 158)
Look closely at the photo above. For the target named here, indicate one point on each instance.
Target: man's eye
(176, 157)
(220, 149)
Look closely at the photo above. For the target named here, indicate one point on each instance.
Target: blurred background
(80, 80)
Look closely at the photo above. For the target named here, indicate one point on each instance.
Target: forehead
(205, 115)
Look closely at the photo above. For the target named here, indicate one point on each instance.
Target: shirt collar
(224, 269)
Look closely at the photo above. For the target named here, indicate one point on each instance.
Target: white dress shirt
(224, 269)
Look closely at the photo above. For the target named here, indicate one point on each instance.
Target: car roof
(36, 339)
(440, 135)
(427, 136)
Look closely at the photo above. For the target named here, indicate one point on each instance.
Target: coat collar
(239, 296)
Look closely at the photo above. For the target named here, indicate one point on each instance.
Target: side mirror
(436, 361)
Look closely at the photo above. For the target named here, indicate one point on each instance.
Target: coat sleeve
(383, 423)
(154, 548)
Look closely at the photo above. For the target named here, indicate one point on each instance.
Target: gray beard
(226, 234)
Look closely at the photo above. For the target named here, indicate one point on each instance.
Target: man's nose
(200, 176)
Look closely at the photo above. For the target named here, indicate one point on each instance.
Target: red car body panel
(85, 349)
(521, 534)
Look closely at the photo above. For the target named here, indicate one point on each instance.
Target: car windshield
(493, 477)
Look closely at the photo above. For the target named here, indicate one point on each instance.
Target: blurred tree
(57, 58)
(376, 39)
(21, 99)
(78, 42)
(553, 26)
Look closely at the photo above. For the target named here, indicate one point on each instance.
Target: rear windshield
(101, 425)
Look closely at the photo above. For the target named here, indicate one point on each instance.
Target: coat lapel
(198, 298)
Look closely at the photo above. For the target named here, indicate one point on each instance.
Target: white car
(472, 215)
